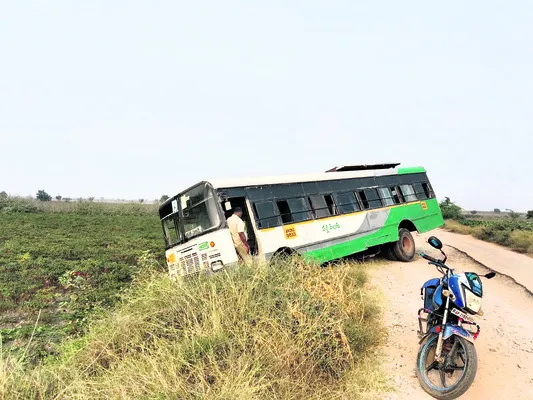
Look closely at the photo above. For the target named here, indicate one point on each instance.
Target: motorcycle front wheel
(453, 377)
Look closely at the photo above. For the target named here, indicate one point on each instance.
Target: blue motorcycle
(446, 364)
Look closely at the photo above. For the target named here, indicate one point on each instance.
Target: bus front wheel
(283, 255)
(404, 248)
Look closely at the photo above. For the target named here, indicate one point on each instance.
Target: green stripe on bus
(424, 220)
(411, 170)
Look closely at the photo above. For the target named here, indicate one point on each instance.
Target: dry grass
(287, 331)
(457, 227)
(522, 241)
(518, 240)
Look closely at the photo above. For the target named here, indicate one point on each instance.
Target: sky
(135, 99)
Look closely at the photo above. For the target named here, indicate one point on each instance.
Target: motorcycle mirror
(490, 275)
(435, 242)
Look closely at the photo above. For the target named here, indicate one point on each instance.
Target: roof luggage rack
(364, 167)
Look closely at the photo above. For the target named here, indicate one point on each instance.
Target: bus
(319, 216)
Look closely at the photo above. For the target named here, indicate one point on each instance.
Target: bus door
(246, 217)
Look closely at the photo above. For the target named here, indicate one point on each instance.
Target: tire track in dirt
(504, 346)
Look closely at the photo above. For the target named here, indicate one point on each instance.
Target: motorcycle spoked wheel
(452, 378)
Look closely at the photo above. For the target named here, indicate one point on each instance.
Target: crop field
(63, 264)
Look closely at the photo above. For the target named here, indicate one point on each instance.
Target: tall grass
(284, 331)
(457, 227)
(522, 241)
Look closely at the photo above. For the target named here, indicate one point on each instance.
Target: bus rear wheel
(404, 248)
(388, 251)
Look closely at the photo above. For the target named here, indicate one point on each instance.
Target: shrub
(529, 214)
(450, 210)
(522, 241)
(11, 205)
(43, 196)
(514, 215)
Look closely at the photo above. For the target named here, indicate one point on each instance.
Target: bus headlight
(216, 265)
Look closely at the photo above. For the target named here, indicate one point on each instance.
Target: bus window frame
(356, 203)
(307, 210)
(276, 214)
(331, 208)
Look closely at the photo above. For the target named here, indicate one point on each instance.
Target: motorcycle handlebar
(429, 258)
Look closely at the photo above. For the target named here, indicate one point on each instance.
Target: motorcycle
(446, 363)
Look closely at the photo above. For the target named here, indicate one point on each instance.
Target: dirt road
(505, 345)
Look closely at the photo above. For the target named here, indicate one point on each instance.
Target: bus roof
(345, 173)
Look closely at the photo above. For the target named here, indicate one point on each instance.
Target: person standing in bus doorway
(236, 228)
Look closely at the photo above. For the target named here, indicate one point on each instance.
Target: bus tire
(404, 248)
(283, 255)
(388, 252)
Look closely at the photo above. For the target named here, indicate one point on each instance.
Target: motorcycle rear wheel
(464, 363)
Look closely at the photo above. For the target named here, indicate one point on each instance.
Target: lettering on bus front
(330, 227)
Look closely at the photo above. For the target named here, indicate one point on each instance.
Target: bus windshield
(194, 212)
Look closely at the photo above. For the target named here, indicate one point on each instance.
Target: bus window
(299, 209)
(171, 230)
(284, 211)
(427, 190)
(408, 193)
(331, 204)
(421, 192)
(370, 198)
(322, 205)
(364, 201)
(267, 214)
(347, 203)
(386, 196)
(396, 195)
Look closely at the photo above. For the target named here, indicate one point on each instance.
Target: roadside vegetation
(88, 312)
(65, 265)
(512, 230)
(14, 205)
(291, 331)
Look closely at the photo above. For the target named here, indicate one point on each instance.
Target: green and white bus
(322, 216)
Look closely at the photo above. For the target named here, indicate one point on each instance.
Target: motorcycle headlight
(472, 302)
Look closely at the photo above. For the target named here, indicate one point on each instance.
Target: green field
(67, 264)
(88, 312)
